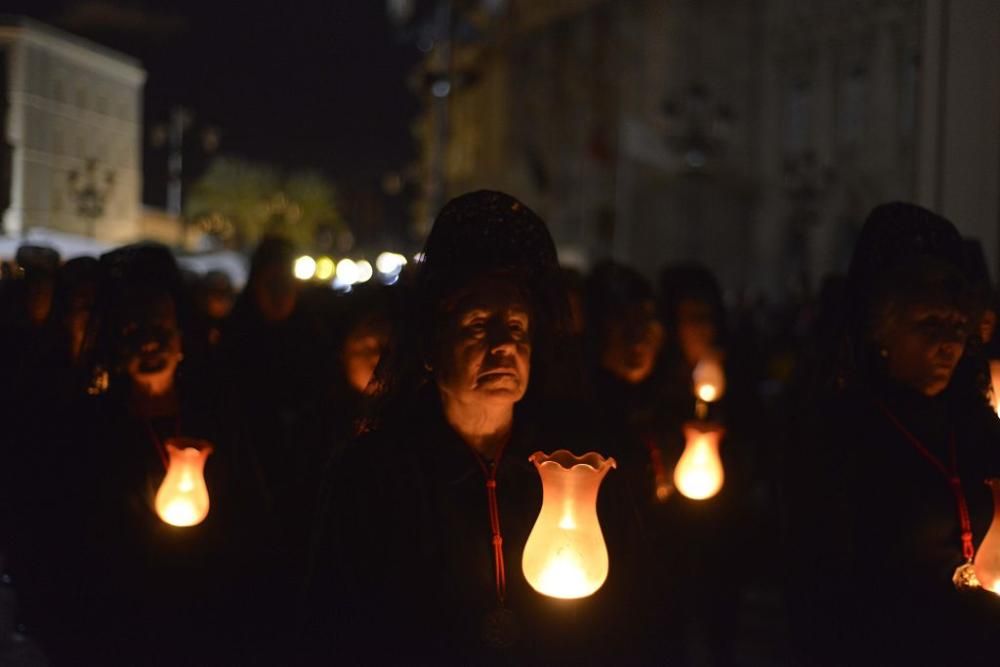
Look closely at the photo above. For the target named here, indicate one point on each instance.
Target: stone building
(73, 122)
(751, 135)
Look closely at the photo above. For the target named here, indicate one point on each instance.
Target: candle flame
(180, 512)
(182, 499)
(564, 576)
(707, 393)
(699, 474)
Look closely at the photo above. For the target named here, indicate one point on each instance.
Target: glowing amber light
(325, 268)
(987, 561)
(995, 381)
(565, 556)
(182, 499)
(698, 474)
(709, 380)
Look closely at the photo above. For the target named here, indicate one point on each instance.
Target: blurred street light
(305, 267)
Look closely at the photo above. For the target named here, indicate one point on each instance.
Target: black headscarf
(897, 240)
(690, 281)
(270, 251)
(476, 234)
(610, 289)
(131, 274)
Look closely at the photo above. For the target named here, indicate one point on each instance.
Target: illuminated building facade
(73, 122)
(752, 136)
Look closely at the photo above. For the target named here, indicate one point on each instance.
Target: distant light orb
(347, 272)
(440, 89)
(325, 268)
(305, 267)
(695, 159)
(365, 271)
(390, 263)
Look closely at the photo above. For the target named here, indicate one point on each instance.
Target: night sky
(298, 84)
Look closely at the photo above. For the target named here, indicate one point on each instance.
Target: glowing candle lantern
(182, 499)
(987, 561)
(565, 555)
(709, 379)
(995, 380)
(698, 474)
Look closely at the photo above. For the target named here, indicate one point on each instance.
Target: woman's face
(696, 330)
(361, 352)
(152, 341)
(923, 344)
(632, 344)
(276, 292)
(484, 354)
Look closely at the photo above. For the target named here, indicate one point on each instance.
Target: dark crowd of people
(368, 469)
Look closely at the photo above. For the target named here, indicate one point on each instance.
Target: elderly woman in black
(430, 512)
(887, 500)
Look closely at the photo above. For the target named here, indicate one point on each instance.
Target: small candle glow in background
(709, 379)
(182, 499)
(699, 474)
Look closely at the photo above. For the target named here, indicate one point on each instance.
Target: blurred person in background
(273, 367)
(624, 352)
(130, 574)
(710, 593)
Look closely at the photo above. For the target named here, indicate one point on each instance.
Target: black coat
(405, 571)
(875, 534)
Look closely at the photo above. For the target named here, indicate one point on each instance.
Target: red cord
(500, 572)
(954, 481)
(656, 460)
(157, 444)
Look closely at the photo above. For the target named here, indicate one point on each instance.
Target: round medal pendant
(965, 577)
(500, 629)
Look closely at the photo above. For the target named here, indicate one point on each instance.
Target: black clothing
(875, 534)
(406, 558)
(102, 580)
(692, 582)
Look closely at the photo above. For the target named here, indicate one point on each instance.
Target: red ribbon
(950, 474)
(656, 460)
(500, 572)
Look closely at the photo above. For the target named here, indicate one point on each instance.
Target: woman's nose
(500, 339)
(950, 347)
